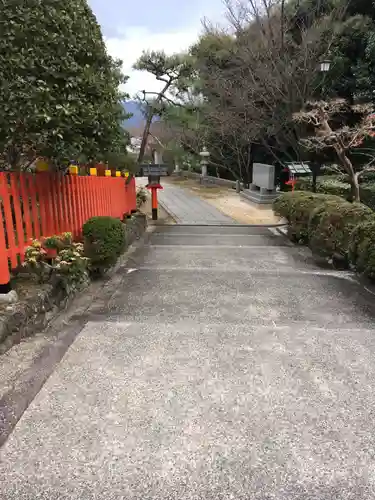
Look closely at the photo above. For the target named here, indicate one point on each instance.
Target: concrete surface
(185, 207)
(223, 365)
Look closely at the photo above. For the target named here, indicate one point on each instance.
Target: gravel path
(186, 208)
(219, 364)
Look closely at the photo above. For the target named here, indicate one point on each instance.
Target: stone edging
(25, 318)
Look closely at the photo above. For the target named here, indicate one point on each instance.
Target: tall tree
(340, 127)
(168, 70)
(59, 93)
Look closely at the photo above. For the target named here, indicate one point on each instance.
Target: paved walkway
(219, 364)
(186, 208)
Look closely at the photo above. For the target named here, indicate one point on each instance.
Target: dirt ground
(163, 216)
(228, 202)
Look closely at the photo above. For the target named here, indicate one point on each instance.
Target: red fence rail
(44, 204)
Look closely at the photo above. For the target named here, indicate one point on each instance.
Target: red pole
(154, 202)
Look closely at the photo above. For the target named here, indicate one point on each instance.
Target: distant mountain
(137, 119)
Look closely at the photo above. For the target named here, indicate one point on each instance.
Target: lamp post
(204, 154)
(324, 66)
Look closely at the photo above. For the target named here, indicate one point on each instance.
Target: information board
(154, 170)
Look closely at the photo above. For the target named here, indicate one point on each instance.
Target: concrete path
(185, 207)
(221, 365)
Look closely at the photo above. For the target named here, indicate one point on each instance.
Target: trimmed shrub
(297, 208)
(104, 239)
(339, 186)
(317, 214)
(362, 248)
(334, 186)
(303, 184)
(367, 193)
(367, 178)
(331, 227)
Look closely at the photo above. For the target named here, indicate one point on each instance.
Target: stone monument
(262, 190)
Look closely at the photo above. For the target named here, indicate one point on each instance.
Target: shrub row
(68, 264)
(332, 227)
(338, 185)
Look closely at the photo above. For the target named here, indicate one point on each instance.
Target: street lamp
(325, 66)
(204, 154)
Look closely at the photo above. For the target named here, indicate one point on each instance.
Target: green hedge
(336, 185)
(362, 248)
(296, 207)
(331, 227)
(104, 239)
(367, 193)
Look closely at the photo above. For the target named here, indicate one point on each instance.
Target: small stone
(9, 298)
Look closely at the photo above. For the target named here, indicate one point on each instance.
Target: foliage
(362, 248)
(58, 242)
(35, 256)
(330, 226)
(174, 72)
(340, 127)
(333, 185)
(104, 241)
(331, 235)
(60, 94)
(71, 264)
(296, 207)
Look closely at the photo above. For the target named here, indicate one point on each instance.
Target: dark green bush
(317, 214)
(331, 227)
(367, 193)
(367, 178)
(104, 239)
(333, 185)
(362, 248)
(297, 208)
(303, 184)
(338, 185)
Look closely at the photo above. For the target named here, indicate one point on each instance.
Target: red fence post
(4, 265)
(43, 204)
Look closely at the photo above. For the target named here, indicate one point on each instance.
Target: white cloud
(130, 46)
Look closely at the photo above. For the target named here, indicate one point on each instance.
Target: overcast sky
(171, 25)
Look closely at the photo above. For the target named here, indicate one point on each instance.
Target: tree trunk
(348, 166)
(355, 189)
(146, 131)
(248, 174)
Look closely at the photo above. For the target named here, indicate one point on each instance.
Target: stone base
(259, 198)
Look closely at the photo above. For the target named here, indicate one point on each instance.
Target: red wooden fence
(45, 204)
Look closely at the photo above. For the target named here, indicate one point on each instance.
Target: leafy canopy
(59, 88)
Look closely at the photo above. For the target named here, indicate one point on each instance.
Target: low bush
(104, 241)
(367, 193)
(362, 248)
(69, 264)
(334, 186)
(303, 184)
(331, 227)
(339, 186)
(297, 208)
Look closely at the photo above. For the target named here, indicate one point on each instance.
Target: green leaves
(59, 89)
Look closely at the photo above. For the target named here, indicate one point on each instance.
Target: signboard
(154, 170)
(299, 169)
